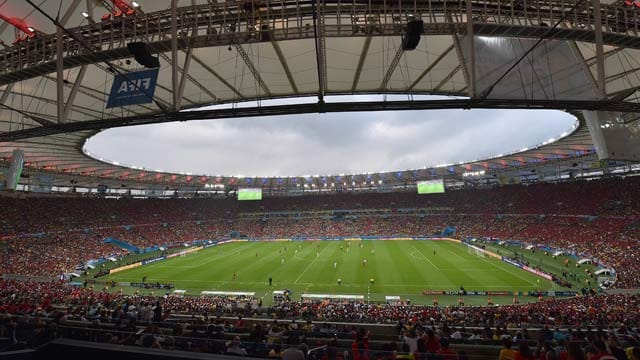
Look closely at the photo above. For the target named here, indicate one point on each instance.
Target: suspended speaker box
(412, 37)
(141, 53)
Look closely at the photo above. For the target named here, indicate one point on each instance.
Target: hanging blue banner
(133, 88)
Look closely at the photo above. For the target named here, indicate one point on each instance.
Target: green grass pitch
(402, 268)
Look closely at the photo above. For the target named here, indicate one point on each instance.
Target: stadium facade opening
(326, 144)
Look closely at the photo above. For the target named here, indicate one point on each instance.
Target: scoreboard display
(250, 194)
(431, 186)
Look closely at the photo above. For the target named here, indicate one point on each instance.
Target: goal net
(475, 251)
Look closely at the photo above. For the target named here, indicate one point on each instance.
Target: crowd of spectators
(33, 312)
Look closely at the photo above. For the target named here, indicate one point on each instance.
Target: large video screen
(430, 186)
(250, 194)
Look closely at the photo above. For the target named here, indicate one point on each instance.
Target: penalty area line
(426, 258)
(310, 264)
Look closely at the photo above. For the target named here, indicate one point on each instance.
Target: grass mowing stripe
(426, 258)
(310, 264)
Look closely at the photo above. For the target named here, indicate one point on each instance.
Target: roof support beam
(285, 66)
(583, 63)
(184, 77)
(463, 65)
(431, 66)
(74, 91)
(90, 9)
(92, 93)
(93, 113)
(391, 69)
(217, 76)
(449, 77)
(188, 76)
(252, 68)
(174, 55)
(622, 74)
(597, 28)
(93, 125)
(321, 58)
(361, 59)
(592, 60)
(60, 75)
(470, 64)
(70, 10)
(5, 95)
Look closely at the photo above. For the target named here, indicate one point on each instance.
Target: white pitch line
(515, 273)
(426, 258)
(310, 264)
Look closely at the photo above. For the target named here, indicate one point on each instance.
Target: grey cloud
(328, 143)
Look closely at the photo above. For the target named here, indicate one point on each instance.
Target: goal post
(475, 251)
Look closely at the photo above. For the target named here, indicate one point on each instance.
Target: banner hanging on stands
(133, 88)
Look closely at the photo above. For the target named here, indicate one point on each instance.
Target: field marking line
(515, 273)
(310, 264)
(456, 255)
(426, 258)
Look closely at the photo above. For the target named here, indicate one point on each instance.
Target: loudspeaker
(141, 53)
(412, 36)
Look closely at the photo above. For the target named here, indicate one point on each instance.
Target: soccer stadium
(526, 249)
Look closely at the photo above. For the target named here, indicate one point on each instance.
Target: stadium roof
(228, 52)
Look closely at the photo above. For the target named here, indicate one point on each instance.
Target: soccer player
(434, 251)
(282, 261)
(335, 264)
(372, 251)
(364, 262)
(234, 275)
(270, 281)
(339, 281)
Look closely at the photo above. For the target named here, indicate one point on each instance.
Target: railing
(227, 23)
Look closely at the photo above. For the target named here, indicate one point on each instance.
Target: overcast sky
(328, 143)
